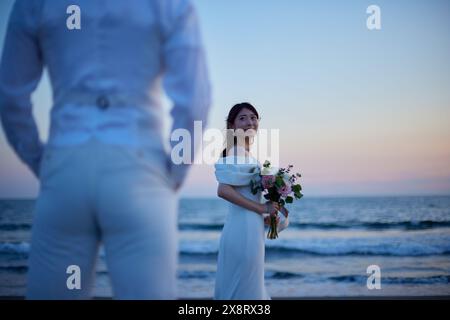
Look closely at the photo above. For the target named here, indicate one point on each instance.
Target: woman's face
(245, 120)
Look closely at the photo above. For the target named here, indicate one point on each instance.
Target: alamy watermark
(374, 278)
(373, 21)
(264, 144)
(74, 20)
(73, 281)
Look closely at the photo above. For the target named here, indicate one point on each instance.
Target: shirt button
(102, 102)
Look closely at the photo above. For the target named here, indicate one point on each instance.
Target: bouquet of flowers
(277, 185)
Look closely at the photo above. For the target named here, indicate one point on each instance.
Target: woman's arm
(228, 193)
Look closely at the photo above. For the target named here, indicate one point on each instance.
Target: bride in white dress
(240, 268)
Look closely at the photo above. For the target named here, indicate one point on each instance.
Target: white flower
(269, 171)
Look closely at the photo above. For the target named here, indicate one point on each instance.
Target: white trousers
(121, 196)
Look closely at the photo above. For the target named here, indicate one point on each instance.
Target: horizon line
(188, 197)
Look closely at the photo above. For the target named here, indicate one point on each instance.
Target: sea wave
(15, 226)
(375, 225)
(425, 245)
(329, 225)
(413, 245)
(437, 279)
(19, 248)
(283, 275)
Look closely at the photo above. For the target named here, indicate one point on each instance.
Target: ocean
(325, 252)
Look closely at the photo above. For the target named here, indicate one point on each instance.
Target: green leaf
(298, 195)
(282, 202)
(279, 182)
(289, 199)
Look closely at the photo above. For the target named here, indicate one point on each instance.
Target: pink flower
(267, 181)
(285, 190)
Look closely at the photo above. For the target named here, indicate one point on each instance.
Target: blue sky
(360, 112)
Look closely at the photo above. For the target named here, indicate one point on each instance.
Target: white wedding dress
(240, 267)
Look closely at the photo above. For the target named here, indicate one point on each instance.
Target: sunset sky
(360, 112)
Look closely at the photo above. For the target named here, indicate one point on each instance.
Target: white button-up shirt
(106, 75)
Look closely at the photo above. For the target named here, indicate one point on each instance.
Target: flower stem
(273, 233)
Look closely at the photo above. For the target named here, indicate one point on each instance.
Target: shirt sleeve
(20, 72)
(235, 174)
(185, 79)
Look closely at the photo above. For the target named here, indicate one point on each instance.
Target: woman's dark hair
(234, 111)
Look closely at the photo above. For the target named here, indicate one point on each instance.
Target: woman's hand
(271, 207)
(229, 193)
(267, 220)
